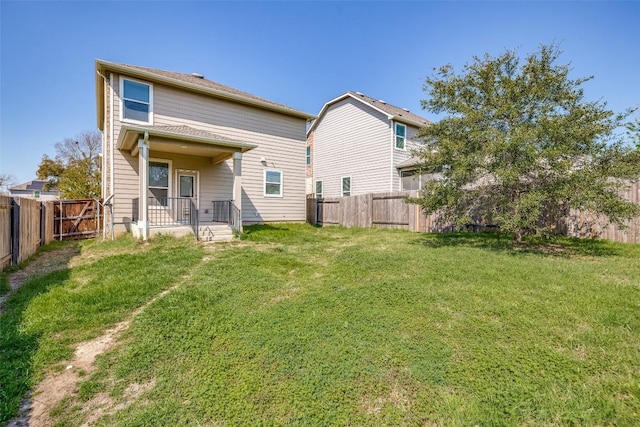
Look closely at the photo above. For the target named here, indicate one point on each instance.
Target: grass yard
(297, 325)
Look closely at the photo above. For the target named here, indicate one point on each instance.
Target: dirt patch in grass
(45, 263)
(57, 387)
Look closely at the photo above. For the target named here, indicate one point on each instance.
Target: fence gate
(76, 219)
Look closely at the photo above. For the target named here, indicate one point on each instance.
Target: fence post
(15, 231)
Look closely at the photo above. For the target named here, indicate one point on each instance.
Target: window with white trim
(346, 186)
(137, 101)
(410, 180)
(401, 135)
(319, 189)
(273, 183)
(308, 155)
(159, 173)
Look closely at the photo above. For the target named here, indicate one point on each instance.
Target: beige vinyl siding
(280, 139)
(400, 156)
(353, 140)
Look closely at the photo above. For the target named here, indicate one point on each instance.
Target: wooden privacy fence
(25, 224)
(76, 219)
(371, 210)
(390, 210)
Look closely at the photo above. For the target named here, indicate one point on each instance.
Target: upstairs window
(272, 183)
(401, 134)
(136, 101)
(346, 186)
(308, 155)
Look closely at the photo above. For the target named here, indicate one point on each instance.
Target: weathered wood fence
(26, 224)
(371, 210)
(390, 210)
(76, 219)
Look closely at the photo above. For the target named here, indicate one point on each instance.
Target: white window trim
(315, 188)
(189, 172)
(342, 187)
(264, 183)
(395, 136)
(308, 156)
(122, 118)
(169, 192)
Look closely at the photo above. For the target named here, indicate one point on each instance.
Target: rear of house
(361, 145)
(179, 149)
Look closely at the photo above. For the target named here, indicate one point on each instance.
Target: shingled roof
(192, 82)
(398, 114)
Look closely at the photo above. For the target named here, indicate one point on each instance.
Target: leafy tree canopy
(75, 170)
(520, 146)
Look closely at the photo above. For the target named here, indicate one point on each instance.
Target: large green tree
(75, 170)
(520, 145)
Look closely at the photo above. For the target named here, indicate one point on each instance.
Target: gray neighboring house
(361, 145)
(178, 147)
(35, 189)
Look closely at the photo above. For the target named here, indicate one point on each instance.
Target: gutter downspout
(393, 146)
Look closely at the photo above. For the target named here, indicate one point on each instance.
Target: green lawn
(298, 325)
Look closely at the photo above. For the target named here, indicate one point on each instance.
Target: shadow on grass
(17, 347)
(503, 242)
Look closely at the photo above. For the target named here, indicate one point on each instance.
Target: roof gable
(189, 82)
(392, 112)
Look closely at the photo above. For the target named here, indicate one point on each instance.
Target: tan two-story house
(181, 152)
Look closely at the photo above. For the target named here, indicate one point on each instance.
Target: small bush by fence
(390, 210)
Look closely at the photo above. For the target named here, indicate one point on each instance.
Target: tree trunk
(518, 236)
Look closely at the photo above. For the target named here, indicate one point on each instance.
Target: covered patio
(171, 189)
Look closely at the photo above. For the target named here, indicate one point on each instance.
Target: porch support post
(143, 171)
(237, 185)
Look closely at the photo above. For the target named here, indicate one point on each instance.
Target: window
(346, 186)
(410, 180)
(159, 182)
(401, 134)
(319, 189)
(36, 194)
(308, 155)
(272, 183)
(136, 101)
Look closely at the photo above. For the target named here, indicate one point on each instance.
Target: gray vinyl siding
(280, 139)
(400, 156)
(353, 140)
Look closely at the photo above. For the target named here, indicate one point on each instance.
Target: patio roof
(182, 140)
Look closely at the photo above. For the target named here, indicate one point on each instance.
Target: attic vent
(381, 101)
(406, 109)
(198, 75)
(359, 93)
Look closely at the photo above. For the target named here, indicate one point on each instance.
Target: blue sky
(297, 53)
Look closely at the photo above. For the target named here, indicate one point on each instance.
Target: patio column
(143, 172)
(237, 184)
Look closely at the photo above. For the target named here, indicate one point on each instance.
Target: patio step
(215, 233)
